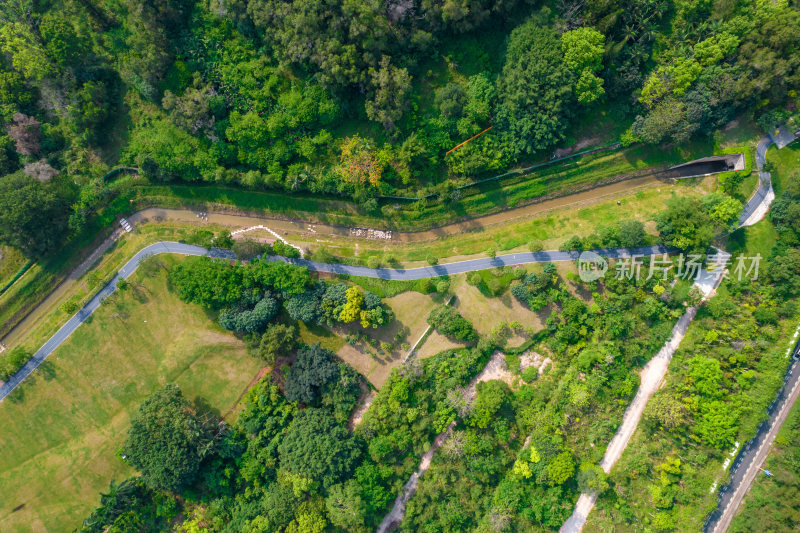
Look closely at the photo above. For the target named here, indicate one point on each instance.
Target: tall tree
(391, 85)
(534, 90)
(583, 53)
(168, 439)
(33, 218)
(318, 449)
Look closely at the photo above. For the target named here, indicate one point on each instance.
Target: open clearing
(411, 311)
(63, 427)
(486, 312)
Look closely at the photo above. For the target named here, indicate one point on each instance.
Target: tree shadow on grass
(203, 407)
(17, 396)
(47, 370)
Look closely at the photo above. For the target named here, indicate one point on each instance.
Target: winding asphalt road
(383, 273)
(749, 460)
(757, 205)
(86, 311)
(732, 493)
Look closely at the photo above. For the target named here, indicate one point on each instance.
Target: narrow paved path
(470, 265)
(651, 377)
(86, 311)
(381, 273)
(757, 206)
(653, 373)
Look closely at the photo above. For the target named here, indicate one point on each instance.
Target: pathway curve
(382, 273)
(651, 376)
(653, 373)
(758, 204)
(86, 311)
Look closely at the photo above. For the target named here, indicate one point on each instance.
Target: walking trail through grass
(64, 425)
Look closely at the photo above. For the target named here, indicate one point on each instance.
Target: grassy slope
(62, 428)
(552, 229)
(703, 470)
(771, 504)
(10, 262)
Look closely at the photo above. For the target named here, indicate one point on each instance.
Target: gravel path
(651, 376)
(390, 522)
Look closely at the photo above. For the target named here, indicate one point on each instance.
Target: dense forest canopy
(362, 98)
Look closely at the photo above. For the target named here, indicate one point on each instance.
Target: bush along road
(382, 273)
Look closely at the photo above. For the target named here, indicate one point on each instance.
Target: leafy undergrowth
(519, 456)
(771, 503)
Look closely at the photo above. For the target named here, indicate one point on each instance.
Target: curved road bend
(755, 210)
(382, 273)
(757, 206)
(86, 311)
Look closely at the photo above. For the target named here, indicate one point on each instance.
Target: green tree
(345, 506)
(15, 97)
(583, 50)
(534, 90)
(716, 423)
(25, 49)
(212, 284)
(449, 322)
(489, 399)
(631, 233)
(278, 340)
(666, 410)
(251, 313)
(318, 448)
(168, 439)
(685, 224)
(723, 209)
(705, 374)
(784, 271)
(390, 99)
(592, 477)
(313, 369)
(561, 468)
(33, 217)
(451, 100)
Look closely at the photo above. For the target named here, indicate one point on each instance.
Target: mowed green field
(62, 428)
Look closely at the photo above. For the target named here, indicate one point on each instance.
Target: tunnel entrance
(706, 166)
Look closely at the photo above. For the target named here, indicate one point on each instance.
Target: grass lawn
(48, 317)
(62, 427)
(485, 312)
(11, 261)
(375, 362)
(786, 162)
(552, 228)
(756, 239)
